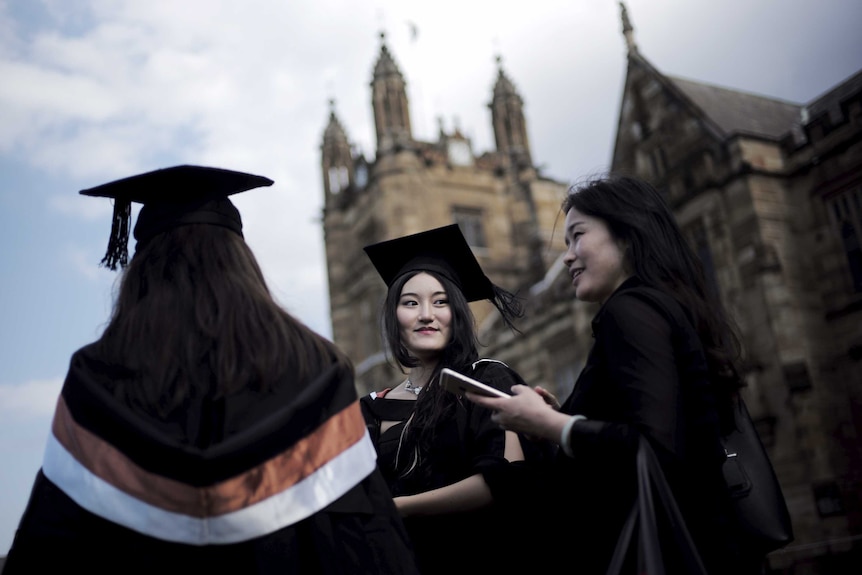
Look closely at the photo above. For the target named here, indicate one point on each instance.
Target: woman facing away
(662, 365)
(206, 430)
(432, 444)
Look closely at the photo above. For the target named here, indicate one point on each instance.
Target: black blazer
(646, 374)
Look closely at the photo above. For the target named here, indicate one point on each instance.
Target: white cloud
(30, 399)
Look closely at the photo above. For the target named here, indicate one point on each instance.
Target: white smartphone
(459, 383)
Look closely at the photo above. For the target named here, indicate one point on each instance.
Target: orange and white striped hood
(289, 465)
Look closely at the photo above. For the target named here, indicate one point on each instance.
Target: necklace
(414, 389)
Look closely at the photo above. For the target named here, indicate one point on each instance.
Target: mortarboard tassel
(118, 244)
(509, 306)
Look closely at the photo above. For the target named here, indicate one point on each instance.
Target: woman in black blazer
(662, 366)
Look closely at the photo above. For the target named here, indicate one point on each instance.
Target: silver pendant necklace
(414, 389)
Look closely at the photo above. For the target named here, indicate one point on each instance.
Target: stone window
(845, 211)
(361, 175)
(338, 179)
(470, 221)
(658, 162)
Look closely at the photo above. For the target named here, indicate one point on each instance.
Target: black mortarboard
(172, 197)
(445, 251)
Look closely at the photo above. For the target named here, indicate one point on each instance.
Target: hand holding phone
(459, 383)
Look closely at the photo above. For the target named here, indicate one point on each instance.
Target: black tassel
(118, 244)
(509, 306)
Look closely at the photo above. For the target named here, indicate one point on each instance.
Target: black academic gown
(282, 482)
(466, 443)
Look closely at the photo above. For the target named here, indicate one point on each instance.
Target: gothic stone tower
(505, 207)
(768, 192)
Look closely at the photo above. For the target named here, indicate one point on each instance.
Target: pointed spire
(507, 119)
(336, 159)
(628, 29)
(390, 104)
(334, 132)
(386, 65)
(504, 86)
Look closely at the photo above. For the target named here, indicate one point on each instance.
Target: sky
(96, 90)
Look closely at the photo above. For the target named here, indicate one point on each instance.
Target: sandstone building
(769, 193)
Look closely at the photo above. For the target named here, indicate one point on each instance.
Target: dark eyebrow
(433, 294)
(575, 224)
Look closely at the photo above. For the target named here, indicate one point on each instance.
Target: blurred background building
(769, 193)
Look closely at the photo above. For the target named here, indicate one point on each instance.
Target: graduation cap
(445, 251)
(172, 197)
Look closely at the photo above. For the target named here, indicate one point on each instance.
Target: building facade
(768, 192)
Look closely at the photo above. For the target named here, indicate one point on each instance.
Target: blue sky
(94, 90)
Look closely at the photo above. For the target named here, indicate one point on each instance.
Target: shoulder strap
(477, 368)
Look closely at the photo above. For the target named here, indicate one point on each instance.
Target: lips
(576, 273)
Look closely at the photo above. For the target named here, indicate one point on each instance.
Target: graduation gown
(466, 442)
(278, 482)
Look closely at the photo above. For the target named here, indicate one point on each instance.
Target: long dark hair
(193, 315)
(434, 403)
(659, 255)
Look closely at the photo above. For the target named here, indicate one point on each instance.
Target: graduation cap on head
(445, 251)
(172, 197)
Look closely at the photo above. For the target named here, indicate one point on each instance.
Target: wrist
(566, 434)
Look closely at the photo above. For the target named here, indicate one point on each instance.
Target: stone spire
(390, 104)
(507, 117)
(334, 134)
(628, 29)
(336, 159)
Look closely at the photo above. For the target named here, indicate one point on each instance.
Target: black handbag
(761, 510)
(643, 519)
(759, 505)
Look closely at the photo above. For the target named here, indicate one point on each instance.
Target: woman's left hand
(549, 397)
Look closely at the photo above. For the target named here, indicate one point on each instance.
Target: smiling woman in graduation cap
(206, 429)
(433, 445)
